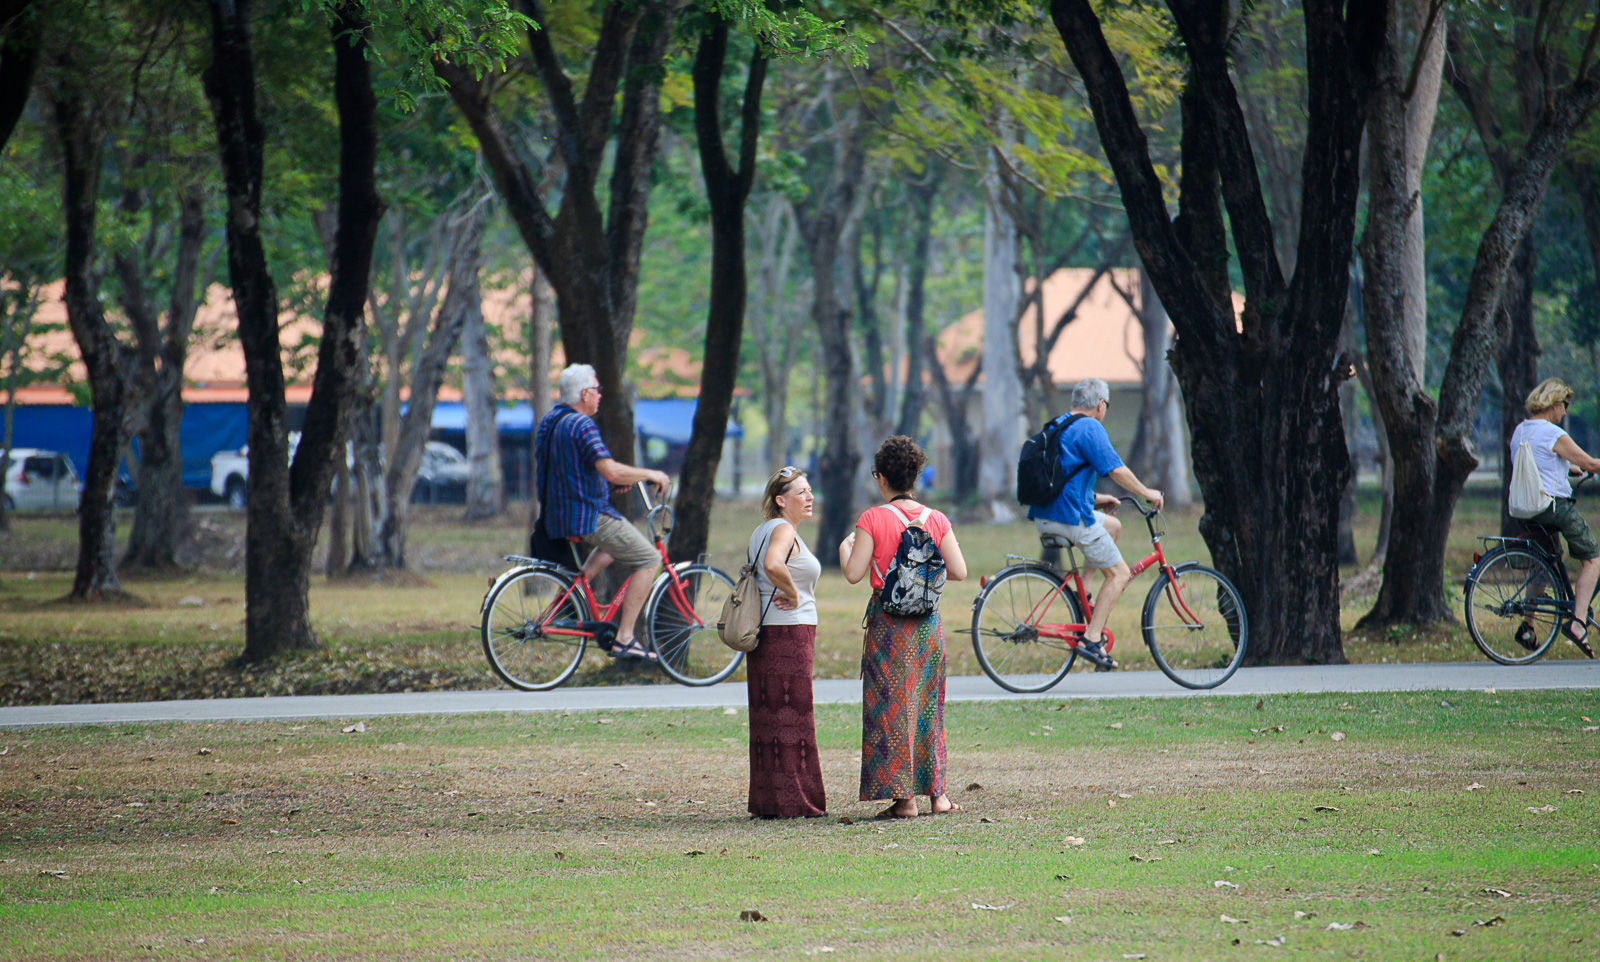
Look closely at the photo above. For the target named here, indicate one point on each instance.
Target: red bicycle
(1028, 619)
(538, 617)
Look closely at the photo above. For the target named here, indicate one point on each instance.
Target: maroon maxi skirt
(785, 772)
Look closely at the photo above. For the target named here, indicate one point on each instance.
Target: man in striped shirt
(576, 472)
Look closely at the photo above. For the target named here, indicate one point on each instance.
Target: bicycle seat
(1053, 540)
(1545, 536)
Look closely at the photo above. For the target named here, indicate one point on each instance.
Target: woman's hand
(785, 601)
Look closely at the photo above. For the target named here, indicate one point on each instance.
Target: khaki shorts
(623, 542)
(1099, 551)
(1564, 517)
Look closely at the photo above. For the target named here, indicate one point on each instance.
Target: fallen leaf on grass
(1072, 840)
(1224, 884)
(1133, 955)
(1168, 841)
(846, 820)
(1574, 791)
(1337, 736)
(1490, 922)
(1115, 725)
(751, 915)
(1233, 921)
(693, 852)
(1500, 892)
(730, 711)
(228, 821)
(974, 787)
(1304, 915)
(1326, 808)
(203, 751)
(1542, 808)
(54, 873)
(355, 729)
(1474, 786)
(986, 820)
(1141, 858)
(1373, 851)
(1343, 926)
(1275, 940)
(984, 906)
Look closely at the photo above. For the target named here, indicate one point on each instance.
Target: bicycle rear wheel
(1511, 589)
(686, 641)
(517, 616)
(1006, 623)
(1195, 626)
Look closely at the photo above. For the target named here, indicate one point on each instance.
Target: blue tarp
(205, 430)
(669, 419)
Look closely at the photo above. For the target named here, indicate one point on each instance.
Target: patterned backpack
(915, 578)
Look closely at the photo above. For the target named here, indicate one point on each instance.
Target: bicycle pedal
(605, 633)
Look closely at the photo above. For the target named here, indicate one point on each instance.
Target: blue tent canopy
(669, 419)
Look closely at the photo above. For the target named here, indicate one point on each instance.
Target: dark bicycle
(1518, 594)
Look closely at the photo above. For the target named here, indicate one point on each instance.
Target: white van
(38, 480)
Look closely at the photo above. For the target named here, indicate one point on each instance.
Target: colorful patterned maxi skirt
(785, 772)
(902, 706)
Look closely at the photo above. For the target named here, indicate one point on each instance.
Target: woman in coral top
(903, 658)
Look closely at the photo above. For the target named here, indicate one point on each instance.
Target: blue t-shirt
(576, 493)
(1084, 441)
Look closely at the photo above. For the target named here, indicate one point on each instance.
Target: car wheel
(11, 505)
(236, 494)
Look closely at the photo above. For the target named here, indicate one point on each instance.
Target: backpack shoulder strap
(905, 519)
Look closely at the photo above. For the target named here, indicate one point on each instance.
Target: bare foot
(943, 804)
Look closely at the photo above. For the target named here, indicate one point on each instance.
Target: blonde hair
(1550, 392)
(776, 485)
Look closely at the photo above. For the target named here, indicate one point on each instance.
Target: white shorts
(1099, 551)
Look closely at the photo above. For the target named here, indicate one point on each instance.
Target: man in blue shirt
(575, 474)
(1073, 515)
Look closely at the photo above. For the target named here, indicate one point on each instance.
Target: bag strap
(905, 520)
(754, 573)
(1070, 419)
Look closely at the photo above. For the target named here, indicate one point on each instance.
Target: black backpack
(915, 579)
(1039, 475)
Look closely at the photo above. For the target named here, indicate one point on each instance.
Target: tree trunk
(1516, 362)
(19, 61)
(822, 220)
(160, 516)
(538, 380)
(590, 259)
(1166, 464)
(924, 193)
(110, 370)
(461, 300)
(286, 502)
(1261, 392)
(772, 327)
(486, 495)
(1002, 389)
(727, 188)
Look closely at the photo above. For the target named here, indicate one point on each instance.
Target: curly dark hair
(899, 460)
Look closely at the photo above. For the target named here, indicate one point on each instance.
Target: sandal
(633, 651)
(1527, 637)
(1582, 641)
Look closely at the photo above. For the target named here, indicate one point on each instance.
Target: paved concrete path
(1467, 676)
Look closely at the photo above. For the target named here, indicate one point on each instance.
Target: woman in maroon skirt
(785, 773)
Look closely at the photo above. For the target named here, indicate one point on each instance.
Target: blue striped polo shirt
(576, 495)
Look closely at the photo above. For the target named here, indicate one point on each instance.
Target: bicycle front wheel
(1011, 628)
(683, 631)
(530, 625)
(1513, 605)
(1195, 626)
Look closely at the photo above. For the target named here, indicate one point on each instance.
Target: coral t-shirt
(885, 526)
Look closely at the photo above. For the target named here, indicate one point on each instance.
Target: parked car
(441, 475)
(38, 480)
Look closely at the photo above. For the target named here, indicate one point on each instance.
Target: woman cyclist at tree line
(1559, 458)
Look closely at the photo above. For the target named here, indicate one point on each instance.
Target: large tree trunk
(772, 326)
(1261, 391)
(286, 502)
(1395, 308)
(1165, 464)
(924, 193)
(1516, 362)
(727, 188)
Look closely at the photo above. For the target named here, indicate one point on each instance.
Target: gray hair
(572, 381)
(1089, 392)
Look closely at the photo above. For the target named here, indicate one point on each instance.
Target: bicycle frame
(1071, 632)
(660, 530)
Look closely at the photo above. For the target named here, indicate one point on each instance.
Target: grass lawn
(1393, 826)
(178, 638)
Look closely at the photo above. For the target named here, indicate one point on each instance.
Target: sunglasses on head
(787, 472)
